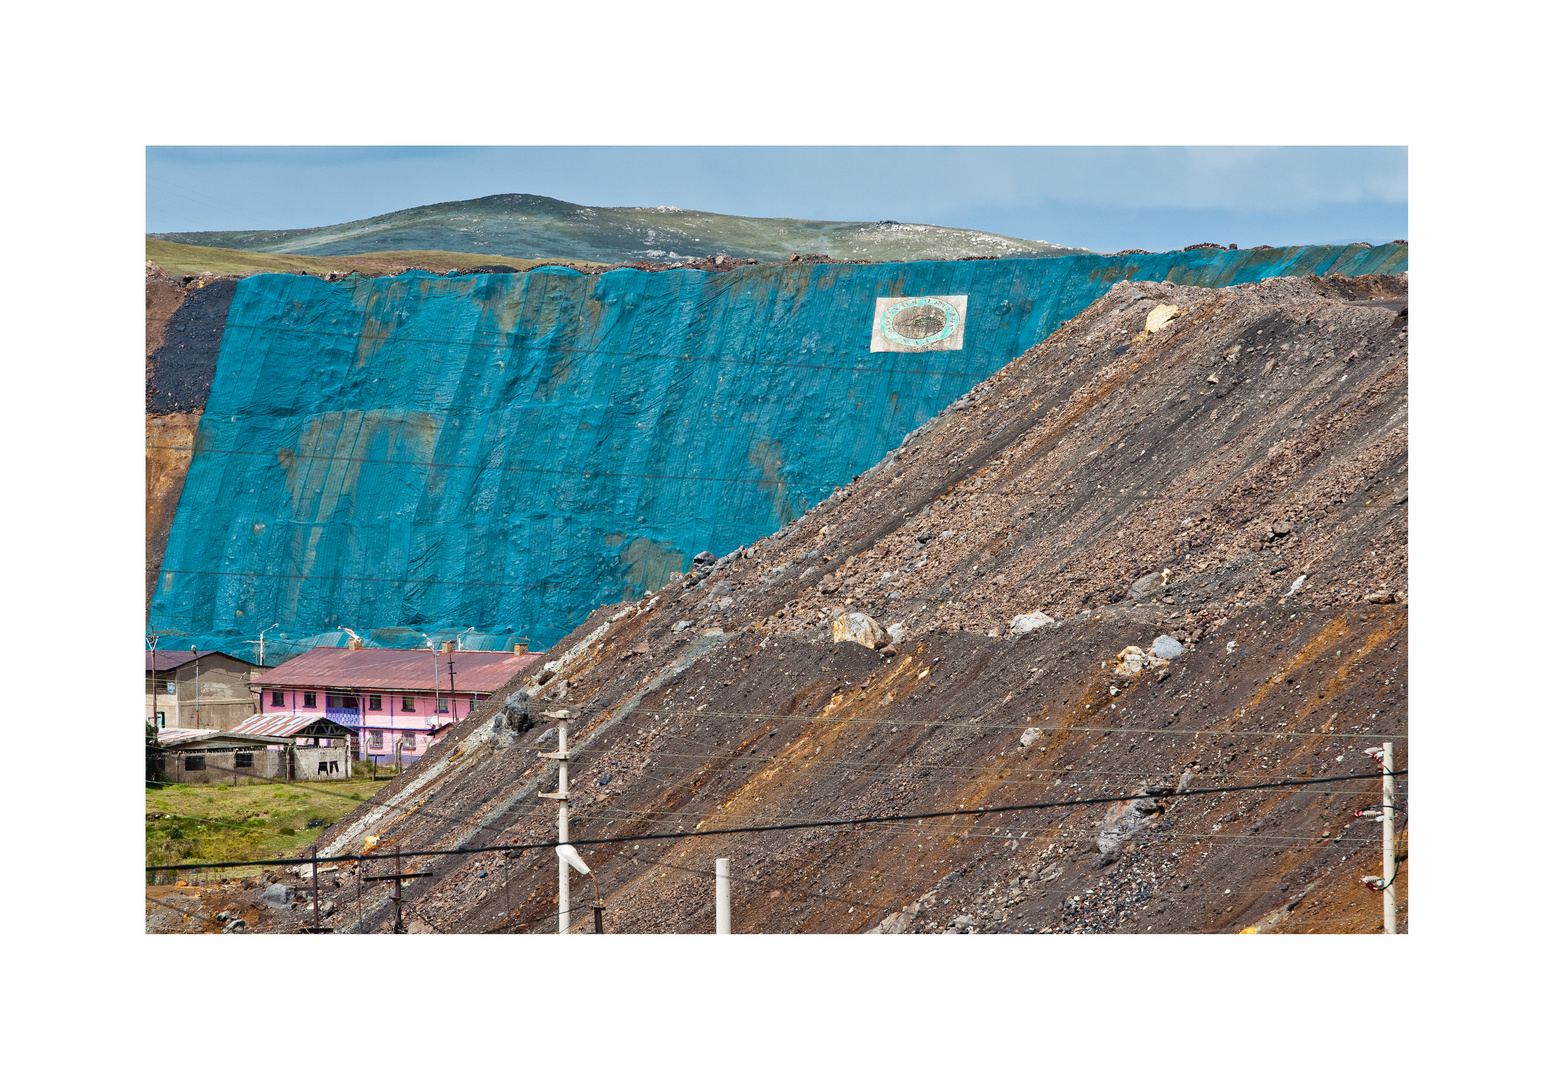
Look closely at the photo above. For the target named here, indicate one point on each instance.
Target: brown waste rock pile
(1235, 481)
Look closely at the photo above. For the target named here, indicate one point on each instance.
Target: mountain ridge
(539, 227)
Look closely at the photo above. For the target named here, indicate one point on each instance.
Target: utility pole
(397, 877)
(318, 898)
(453, 701)
(1389, 862)
(436, 677)
(196, 686)
(564, 885)
(155, 675)
(725, 912)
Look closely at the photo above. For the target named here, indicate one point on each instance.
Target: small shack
(321, 749)
(202, 756)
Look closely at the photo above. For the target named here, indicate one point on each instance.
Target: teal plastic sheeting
(500, 454)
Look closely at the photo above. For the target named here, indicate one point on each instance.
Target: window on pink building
(277, 697)
(374, 702)
(375, 740)
(407, 704)
(442, 705)
(310, 701)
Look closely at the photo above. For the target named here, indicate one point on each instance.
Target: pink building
(395, 699)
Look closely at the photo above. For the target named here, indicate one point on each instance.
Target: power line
(879, 768)
(1034, 721)
(355, 577)
(485, 467)
(515, 343)
(181, 911)
(786, 826)
(407, 812)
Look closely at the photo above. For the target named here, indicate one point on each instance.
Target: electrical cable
(514, 343)
(181, 911)
(313, 788)
(874, 769)
(786, 826)
(671, 713)
(483, 467)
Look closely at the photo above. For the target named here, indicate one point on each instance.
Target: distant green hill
(535, 227)
(180, 259)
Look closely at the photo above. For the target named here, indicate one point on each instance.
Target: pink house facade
(398, 701)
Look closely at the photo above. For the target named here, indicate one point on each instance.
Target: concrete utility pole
(1389, 862)
(155, 675)
(563, 885)
(725, 912)
(436, 676)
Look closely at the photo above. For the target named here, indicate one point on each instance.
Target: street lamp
(260, 642)
(568, 855)
(263, 632)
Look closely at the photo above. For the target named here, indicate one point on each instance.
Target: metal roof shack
(203, 756)
(396, 670)
(318, 749)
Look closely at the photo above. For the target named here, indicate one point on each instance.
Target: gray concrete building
(206, 691)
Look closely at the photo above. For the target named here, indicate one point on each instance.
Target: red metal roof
(282, 725)
(336, 668)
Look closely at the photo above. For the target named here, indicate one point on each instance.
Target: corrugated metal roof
(170, 737)
(169, 659)
(332, 667)
(283, 725)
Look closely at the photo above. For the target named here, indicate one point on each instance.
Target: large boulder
(278, 896)
(1158, 316)
(1133, 660)
(1031, 620)
(856, 626)
(1167, 647)
(1149, 583)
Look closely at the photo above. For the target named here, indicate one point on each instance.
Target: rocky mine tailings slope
(1225, 468)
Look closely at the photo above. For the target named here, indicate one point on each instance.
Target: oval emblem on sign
(921, 320)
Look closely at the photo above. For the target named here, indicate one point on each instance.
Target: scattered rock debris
(1151, 518)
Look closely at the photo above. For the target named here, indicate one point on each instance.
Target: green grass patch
(221, 823)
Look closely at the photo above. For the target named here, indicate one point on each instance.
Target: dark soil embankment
(180, 369)
(184, 323)
(1254, 446)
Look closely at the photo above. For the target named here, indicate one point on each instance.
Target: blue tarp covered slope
(506, 452)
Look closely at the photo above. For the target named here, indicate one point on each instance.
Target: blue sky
(1102, 198)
